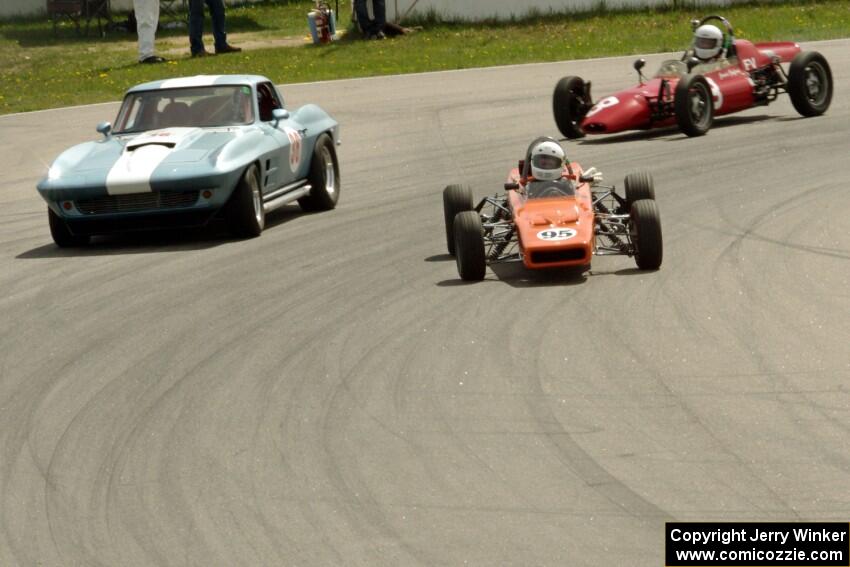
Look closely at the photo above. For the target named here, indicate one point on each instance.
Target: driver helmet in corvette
(708, 42)
(547, 161)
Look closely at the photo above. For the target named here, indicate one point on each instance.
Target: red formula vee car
(552, 214)
(691, 91)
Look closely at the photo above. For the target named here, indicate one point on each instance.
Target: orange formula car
(553, 214)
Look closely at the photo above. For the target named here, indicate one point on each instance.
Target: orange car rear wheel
(456, 199)
(469, 240)
(639, 185)
(645, 232)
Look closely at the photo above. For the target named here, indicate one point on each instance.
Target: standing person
(147, 18)
(196, 27)
(371, 24)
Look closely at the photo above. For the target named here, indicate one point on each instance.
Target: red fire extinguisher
(322, 23)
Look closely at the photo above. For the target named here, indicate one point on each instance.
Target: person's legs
(147, 16)
(196, 26)
(217, 15)
(363, 18)
(380, 14)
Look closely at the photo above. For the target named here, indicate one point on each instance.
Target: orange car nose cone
(557, 217)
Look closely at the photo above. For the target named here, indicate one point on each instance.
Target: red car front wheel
(694, 105)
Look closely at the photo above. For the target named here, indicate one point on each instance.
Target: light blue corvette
(185, 150)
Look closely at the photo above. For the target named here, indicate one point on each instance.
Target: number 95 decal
(556, 234)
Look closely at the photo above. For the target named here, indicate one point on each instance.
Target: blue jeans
(196, 24)
(371, 26)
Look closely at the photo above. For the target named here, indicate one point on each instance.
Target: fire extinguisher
(322, 22)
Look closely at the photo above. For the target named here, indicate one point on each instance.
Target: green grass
(38, 70)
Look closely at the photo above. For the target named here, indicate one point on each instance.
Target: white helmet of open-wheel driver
(708, 42)
(547, 161)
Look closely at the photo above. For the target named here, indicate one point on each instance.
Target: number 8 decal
(295, 145)
(603, 104)
(716, 93)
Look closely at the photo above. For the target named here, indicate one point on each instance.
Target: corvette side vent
(137, 202)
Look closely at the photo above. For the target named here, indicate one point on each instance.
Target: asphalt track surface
(331, 394)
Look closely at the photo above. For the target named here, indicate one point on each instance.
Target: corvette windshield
(197, 106)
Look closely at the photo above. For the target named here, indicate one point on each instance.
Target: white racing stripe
(142, 155)
(196, 81)
(132, 172)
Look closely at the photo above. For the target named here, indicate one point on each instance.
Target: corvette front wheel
(456, 199)
(810, 83)
(323, 177)
(645, 232)
(62, 236)
(694, 105)
(469, 241)
(570, 106)
(245, 213)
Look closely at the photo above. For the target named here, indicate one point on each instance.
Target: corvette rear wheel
(570, 107)
(62, 236)
(469, 237)
(693, 105)
(456, 199)
(323, 177)
(810, 83)
(645, 232)
(639, 185)
(245, 213)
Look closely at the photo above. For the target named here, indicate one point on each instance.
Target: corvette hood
(129, 163)
(167, 137)
(144, 154)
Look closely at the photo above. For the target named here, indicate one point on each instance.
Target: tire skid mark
(729, 264)
(570, 453)
(341, 403)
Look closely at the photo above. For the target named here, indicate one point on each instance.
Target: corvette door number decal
(294, 148)
(556, 234)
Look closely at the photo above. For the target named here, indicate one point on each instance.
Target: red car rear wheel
(810, 83)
